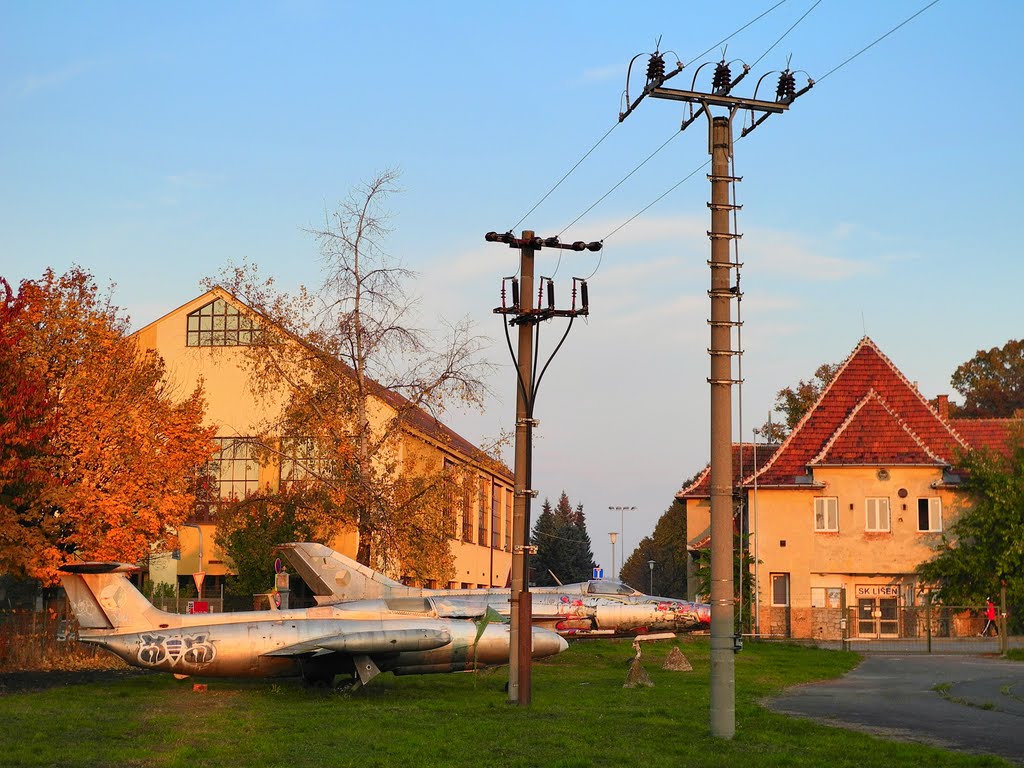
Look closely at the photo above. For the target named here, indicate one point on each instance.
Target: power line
(620, 182)
(834, 69)
(566, 176)
(880, 39)
(726, 39)
(784, 34)
(608, 133)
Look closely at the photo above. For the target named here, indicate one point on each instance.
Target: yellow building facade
(204, 341)
(840, 514)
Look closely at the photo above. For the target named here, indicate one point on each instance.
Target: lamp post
(650, 564)
(613, 535)
(622, 525)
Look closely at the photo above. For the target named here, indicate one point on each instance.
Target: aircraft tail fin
(333, 577)
(102, 597)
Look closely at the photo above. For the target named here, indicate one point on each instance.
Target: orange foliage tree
(121, 450)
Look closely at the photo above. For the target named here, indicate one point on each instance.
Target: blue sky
(154, 144)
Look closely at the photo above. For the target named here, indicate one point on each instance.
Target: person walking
(990, 615)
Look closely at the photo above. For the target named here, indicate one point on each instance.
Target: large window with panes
(301, 461)
(877, 514)
(231, 475)
(497, 492)
(219, 324)
(482, 510)
(826, 513)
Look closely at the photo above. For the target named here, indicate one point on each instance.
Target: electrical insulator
(595, 246)
(579, 245)
(723, 78)
(551, 294)
(584, 298)
(551, 242)
(515, 292)
(656, 68)
(787, 86)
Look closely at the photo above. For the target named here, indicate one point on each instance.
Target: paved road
(979, 708)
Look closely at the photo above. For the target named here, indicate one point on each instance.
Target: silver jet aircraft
(591, 607)
(404, 635)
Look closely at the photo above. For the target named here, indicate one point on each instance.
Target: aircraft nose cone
(547, 643)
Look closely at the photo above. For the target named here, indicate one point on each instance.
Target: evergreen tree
(544, 538)
(667, 548)
(563, 545)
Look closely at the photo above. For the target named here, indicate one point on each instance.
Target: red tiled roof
(985, 433)
(746, 457)
(903, 412)
(873, 434)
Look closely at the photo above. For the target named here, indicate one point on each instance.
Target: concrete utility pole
(527, 318)
(725, 641)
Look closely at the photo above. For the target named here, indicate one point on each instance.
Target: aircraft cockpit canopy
(607, 587)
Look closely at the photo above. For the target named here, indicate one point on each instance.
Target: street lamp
(622, 524)
(613, 535)
(650, 564)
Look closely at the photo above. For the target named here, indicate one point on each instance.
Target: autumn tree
(564, 549)
(983, 549)
(121, 450)
(26, 424)
(792, 403)
(667, 548)
(991, 382)
(357, 377)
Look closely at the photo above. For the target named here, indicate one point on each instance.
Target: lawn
(580, 716)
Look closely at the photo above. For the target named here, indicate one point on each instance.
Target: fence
(883, 625)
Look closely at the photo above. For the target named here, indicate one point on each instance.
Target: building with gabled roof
(843, 510)
(204, 340)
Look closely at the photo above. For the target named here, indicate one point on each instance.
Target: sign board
(198, 577)
(598, 573)
(878, 590)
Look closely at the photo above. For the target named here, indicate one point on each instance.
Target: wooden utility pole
(527, 318)
(520, 650)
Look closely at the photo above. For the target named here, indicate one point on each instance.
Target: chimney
(942, 406)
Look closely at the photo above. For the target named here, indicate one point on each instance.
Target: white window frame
(782, 578)
(826, 515)
(875, 509)
(934, 514)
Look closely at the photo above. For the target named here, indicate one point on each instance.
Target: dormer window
(219, 324)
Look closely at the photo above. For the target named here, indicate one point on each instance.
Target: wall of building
(865, 564)
(234, 410)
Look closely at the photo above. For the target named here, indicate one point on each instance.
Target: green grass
(581, 716)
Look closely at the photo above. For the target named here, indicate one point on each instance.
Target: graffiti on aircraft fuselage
(190, 649)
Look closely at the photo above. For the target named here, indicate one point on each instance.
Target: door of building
(878, 617)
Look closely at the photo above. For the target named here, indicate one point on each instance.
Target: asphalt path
(969, 703)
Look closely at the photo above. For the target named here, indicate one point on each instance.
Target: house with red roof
(843, 510)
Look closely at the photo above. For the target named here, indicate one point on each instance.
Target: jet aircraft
(591, 607)
(403, 635)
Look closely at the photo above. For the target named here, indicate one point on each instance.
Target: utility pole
(725, 640)
(528, 318)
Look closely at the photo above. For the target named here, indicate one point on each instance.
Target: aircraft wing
(369, 642)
